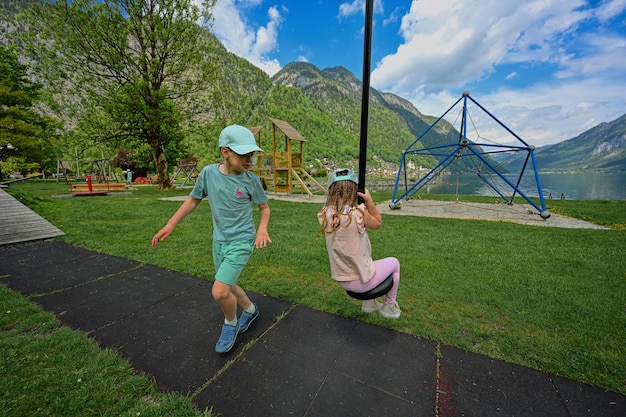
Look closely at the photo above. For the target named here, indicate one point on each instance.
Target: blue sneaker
(227, 338)
(247, 318)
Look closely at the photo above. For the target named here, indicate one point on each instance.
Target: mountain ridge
(601, 148)
(325, 107)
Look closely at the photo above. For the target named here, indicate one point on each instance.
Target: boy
(231, 190)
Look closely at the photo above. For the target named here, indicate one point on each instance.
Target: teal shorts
(230, 259)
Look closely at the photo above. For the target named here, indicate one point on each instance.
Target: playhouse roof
(256, 129)
(288, 131)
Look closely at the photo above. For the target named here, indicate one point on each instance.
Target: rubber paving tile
(317, 364)
(145, 329)
(44, 267)
(293, 360)
(185, 358)
(476, 385)
(584, 400)
(97, 303)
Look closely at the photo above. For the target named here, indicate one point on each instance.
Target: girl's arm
(373, 220)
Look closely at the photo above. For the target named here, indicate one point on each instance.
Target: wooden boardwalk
(18, 223)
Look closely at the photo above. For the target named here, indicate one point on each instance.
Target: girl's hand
(373, 219)
(366, 196)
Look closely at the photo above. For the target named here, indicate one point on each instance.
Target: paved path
(293, 361)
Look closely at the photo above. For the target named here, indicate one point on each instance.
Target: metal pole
(367, 52)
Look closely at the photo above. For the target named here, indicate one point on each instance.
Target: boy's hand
(162, 234)
(262, 239)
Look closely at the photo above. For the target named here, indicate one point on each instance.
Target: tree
(25, 136)
(132, 70)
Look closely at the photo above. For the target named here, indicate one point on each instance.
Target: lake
(574, 186)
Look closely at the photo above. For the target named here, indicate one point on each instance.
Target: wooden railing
(282, 160)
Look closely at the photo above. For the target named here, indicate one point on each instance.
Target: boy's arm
(187, 207)
(262, 237)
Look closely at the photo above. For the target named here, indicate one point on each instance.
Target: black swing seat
(378, 291)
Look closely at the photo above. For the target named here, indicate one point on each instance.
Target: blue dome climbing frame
(486, 158)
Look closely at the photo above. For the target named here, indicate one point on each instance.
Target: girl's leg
(384, 268)
(389, 266)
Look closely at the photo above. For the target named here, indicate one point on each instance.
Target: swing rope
(384, 287)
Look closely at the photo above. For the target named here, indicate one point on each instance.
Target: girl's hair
(340, 194)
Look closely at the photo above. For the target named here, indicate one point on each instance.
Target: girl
(344, 223)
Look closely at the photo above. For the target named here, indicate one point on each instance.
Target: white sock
(250, 309)
(232, 322)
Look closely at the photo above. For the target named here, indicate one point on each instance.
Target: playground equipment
(83, 186)
(93, 180)
(188, 167)
(376, 292)
(279, 168)
(483, 157)
(385, 286)
(100, 167)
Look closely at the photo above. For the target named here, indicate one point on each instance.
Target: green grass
(548, 298)
(50, 370)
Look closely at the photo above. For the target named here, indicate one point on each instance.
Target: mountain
(601, 148)
(324, 106)
(393, 122)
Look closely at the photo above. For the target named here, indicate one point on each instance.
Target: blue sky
(548, 69)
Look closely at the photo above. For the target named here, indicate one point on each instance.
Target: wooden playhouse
(283, 170)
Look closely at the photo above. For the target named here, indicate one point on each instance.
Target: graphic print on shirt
(239, 192)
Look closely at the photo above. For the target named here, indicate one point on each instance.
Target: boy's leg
(230, 259)
(242, 298)
(228, 297)
(228, 303)
(250, 309)
(225, 297)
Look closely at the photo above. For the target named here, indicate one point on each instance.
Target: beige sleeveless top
(349, 248)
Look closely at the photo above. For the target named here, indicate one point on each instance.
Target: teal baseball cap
(342, 174)
(239, 139)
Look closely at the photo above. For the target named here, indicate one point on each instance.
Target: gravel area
(515, 213)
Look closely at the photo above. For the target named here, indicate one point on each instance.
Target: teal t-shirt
(231, 198)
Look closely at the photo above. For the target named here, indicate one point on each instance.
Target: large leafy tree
(133, 71)
(25, 135)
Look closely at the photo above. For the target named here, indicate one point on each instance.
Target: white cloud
(486, 46)
(358, 6)
(543, 114)
(610, 9)
(348, 9)
(393, 17)
(240, 37)
(452, 44)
